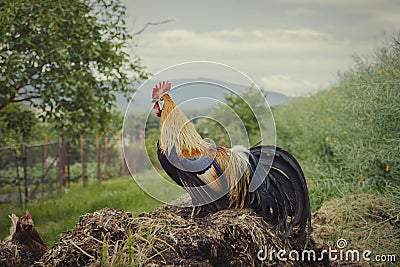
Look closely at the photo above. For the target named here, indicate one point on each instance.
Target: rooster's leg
(195, 211)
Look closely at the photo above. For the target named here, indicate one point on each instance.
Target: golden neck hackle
(177, 131)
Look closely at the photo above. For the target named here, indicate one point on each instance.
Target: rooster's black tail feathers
(283, 195)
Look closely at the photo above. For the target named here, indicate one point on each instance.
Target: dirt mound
(14, 255)
(83, 245)
(167, 237)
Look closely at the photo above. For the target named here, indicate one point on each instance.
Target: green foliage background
(348, 138)
(67, 60)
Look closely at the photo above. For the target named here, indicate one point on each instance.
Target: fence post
(98, 158)
(25, 162)
(127, 161)
(59, 167)
(43, 164)
(105, 156)
(68, 163)
(82, 160)
(63, 160)
(18, 177)
(134, 159)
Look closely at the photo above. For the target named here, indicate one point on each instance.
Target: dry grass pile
(226, 238)
(81, 245)
(164, 237)
(365, 221)
(14, 255)
(167, 237)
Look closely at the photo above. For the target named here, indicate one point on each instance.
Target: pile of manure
(168, 237)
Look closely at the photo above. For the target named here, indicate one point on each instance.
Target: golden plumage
(177, 131)
(237, 175)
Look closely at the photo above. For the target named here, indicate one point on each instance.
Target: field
(347, 139)
(53, 216)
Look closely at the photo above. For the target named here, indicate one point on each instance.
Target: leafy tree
(67, 59)
(17, 123)
(136, 123)
(243, 115)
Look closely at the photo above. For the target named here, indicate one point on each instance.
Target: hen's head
(26, 222)
(158, 96)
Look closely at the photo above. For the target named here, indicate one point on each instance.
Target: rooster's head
(158, 92)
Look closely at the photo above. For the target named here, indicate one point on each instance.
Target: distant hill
(204, 95)
(276, 99)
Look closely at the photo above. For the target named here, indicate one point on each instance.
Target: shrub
(347, 138)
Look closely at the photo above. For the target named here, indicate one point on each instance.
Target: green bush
(347, 138)
(91, 171)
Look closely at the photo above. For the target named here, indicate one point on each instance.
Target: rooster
(23, 233)
(267, 179)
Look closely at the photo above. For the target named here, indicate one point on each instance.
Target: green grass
(53, 216)
(9, 189)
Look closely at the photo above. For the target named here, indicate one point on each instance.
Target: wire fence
(43, 170)
(135, 154)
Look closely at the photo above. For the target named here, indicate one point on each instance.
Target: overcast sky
(292, 47)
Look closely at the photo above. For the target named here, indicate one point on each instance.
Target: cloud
(290, 86)
(343, 3)
(293, 61)
(302, 12)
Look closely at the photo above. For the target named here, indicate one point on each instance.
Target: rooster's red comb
(160, 89)
(28, 215)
